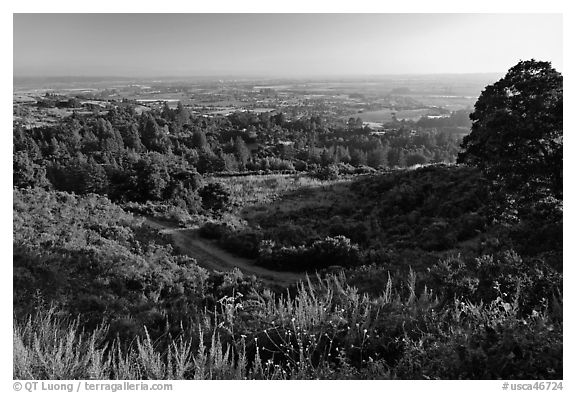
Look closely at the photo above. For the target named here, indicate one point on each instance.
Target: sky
(280, 45)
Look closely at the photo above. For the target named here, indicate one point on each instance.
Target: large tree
(516, 137)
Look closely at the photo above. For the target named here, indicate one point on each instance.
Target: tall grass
(264, 189)
(49, 346)
(326, 329)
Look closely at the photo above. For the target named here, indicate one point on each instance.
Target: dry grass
(49, 346)
(326, 330)
(265, 189)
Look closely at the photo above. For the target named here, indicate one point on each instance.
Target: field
(385, 115)
(452, 103)
(258, 190)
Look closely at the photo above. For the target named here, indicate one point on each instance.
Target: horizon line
(253, 76)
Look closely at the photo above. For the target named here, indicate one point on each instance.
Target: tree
(182, 189)
(329, 172)
(199, 141)
(377, 157)
(354, 124)
(358, 157)
(131, 137)
(279, 119)
(109, 137)
(167, 113)
(343, 154)
(242, 152)
(78, 175)
(326, 157)
(230, 162)
(516, 137)
(182, 116)
(26, 173)
(154, 137)
(415, 159)
(152, 174)
(215, 197)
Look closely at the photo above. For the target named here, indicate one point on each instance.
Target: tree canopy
(516, 137)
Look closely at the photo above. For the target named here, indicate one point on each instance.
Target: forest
(423, 255)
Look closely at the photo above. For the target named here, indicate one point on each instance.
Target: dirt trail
(211, 256)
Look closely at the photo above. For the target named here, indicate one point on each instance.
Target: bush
(329, 172)
(215, 197)
(320, 254)
(212, 230)
(529, 283)
(244, 244)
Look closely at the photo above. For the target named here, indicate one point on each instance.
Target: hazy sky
(148, 45)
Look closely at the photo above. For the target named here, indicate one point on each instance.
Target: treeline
(159, 155)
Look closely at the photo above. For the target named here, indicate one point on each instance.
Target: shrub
(212, 230)
(529, 283)
(329, 172)
(320, 254)
(215, 197)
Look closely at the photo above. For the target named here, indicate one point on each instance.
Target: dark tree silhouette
(214, 197)
(516, 137)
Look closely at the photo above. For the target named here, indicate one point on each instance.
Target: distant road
(213, 257)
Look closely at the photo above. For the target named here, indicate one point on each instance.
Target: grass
(326, 330)
(264, 189)
(258, 199)
(291, 344)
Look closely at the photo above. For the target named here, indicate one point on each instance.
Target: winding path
(211, 256)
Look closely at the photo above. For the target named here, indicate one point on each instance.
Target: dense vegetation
(139, 287)
(475, 318)
(424, 273)
(397, 219)
(156, 157)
